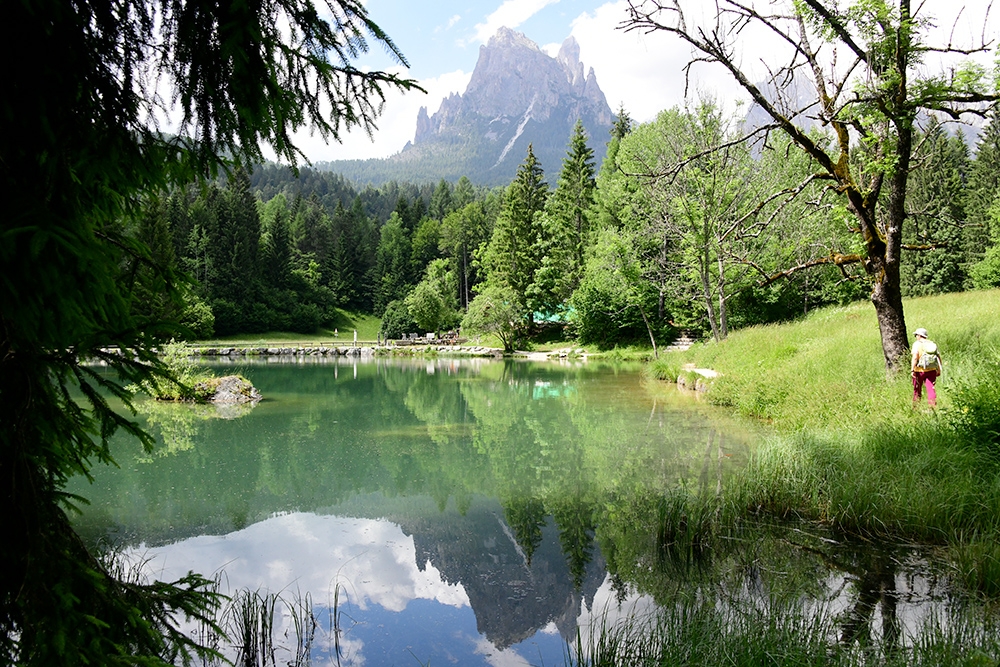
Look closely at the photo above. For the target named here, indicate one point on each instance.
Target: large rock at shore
(227, 390)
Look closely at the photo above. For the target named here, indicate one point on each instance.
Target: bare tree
(870, 102)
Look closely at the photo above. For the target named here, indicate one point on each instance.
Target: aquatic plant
(777, 632)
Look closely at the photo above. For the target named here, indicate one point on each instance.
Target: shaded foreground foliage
(80, 152)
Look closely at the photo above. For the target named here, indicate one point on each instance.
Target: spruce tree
(565, 228)
(81, 150)
(981, 192)
(441, 204)
(511, 257)
(934, 226)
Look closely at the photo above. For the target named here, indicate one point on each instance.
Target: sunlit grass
(848, 450)
(828, 371)
(341, 333)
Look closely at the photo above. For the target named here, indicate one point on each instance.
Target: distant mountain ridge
(517, 95)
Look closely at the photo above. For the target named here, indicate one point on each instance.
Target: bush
(986, 274)
(198, 318)
(397, 320)
(305, 318)
(974, 411)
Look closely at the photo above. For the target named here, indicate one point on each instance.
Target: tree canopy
(871, 103)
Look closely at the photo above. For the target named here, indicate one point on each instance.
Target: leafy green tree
(392, 263)
(700, 217)
(432, 302)
(496, 310)
(615, 301)
(425, 246)
(397, 321)
(462, 233)
(79, 153)
(511, 257)
(870, 107)
(565, 228)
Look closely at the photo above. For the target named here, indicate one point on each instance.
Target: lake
(472, 511)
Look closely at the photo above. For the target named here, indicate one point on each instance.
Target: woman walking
(925, 367)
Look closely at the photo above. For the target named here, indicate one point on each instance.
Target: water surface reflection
(470, 511)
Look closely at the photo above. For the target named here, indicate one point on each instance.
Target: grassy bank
(847, 449)
(342, 333)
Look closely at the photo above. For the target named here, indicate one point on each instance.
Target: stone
(227, 390)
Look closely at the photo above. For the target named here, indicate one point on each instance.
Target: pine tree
(441, 204)
(510, 258)
(463, 194)
(277, 248)
(80, 150)
(981, 192)
(566, 227)
(235, 241)
(934, 224)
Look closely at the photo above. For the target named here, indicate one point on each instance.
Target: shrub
(974, 412)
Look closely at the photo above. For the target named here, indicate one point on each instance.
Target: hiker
(925, 366)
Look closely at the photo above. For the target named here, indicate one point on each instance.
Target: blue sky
(441, 41)
(437, 37)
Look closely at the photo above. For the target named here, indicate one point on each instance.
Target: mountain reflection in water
(469, 511)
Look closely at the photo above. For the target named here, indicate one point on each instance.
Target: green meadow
(847, 449)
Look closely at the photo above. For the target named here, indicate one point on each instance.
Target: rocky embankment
(330, 351)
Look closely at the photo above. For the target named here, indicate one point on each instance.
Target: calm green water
(465, 511)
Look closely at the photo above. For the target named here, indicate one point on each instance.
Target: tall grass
(847, 448)
(257, 628)
(776, 633)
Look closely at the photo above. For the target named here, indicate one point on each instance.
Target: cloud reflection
(372, 560)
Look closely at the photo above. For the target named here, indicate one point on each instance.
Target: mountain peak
(517, 95)
(505, 38)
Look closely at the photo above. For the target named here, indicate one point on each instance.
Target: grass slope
(848, 450)
(341, 333)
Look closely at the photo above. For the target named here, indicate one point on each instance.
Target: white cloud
(396, 125)
(646, 71)
(373, 561)
(499, 658)
(511, 14)
(452, 21)
(643, 72)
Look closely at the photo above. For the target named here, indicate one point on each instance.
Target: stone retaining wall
(323, 351)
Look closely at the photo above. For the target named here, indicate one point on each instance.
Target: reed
(774, 632)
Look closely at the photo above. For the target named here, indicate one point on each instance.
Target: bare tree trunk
(649, 329)
(887, 294)
(465, 279)
(707, 296)
(723, 323)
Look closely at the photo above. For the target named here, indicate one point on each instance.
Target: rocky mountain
(517, 95)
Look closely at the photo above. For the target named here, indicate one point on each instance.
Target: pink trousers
(921, 379)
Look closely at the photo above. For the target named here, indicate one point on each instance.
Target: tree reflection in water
(543, 485)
